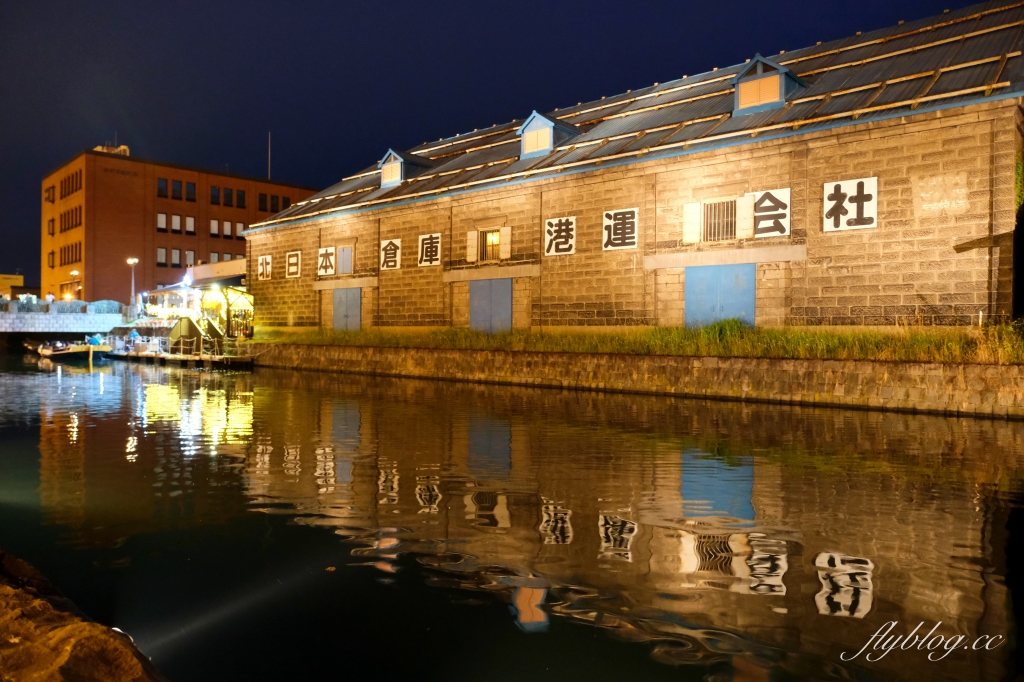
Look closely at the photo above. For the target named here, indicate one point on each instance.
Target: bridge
(58, 319)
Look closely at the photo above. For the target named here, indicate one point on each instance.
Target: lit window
(391, 173)
(760, 91)
(190, 258)
(227, 228)
(214, 256)
(537, 141)
(190, 225)
(175, 258)
(161, 257)
(161, 222)
(214, 228)
(238, 230)
(227, 256)
(175, 223)
(490, 244)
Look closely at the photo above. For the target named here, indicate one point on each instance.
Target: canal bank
(959, 389)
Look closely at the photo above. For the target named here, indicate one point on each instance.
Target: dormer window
(396, 167)
(763, 85)
(540, 134)
(391, 173)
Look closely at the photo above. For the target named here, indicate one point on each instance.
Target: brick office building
(103, 207)
(870, 180)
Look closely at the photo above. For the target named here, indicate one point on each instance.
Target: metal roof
(950, 59)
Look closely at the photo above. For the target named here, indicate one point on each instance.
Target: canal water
(304, 526)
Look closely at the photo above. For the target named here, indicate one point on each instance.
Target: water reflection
(765, 539)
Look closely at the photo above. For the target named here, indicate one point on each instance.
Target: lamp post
(74, 284)
(132, 262)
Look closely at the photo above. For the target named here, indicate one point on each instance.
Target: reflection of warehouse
(864, 181)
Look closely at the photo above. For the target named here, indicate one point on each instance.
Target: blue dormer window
(397, 167)
(390, 170)
(761, 85)
(539, 135)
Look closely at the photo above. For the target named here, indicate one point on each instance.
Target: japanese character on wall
(293, 264)
(430, 250)
(846, 588)
(263, 267)
(555, 523)
(772, 212)
(616, 537)
(621, 229)
(391, 254)
(767, 564)
(326, 261)
(560, 236)
(428, 493)
(851, 204)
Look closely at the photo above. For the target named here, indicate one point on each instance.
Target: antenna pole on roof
(268, 155)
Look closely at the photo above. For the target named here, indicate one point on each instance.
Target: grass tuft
(996, 345)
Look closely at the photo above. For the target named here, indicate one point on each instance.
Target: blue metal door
(490, 305)
(347, 309)
(719, 292)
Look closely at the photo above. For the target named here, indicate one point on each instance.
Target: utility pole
(268, 155)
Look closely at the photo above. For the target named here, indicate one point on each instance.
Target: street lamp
(132, 262)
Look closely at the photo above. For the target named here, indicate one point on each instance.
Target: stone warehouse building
(870, 180)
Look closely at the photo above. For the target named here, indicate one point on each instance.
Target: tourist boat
(59, 350)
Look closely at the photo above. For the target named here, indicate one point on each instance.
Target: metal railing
(719, 221)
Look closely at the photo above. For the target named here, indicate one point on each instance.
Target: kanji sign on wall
(851, 205)
(391, 254)
(560, 236)
(772, 212)
(430, 250)
(263, 267)
(621, 229)
(293, 264)
(326, 261)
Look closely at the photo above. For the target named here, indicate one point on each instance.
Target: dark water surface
(303, 526)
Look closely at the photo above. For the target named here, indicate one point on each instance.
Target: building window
(190, 225)
(190, 191)
(285, 203)
(175, 258)
(161, 257)
(227, 256)
(537, 141)
(190, 258)
(719, 221)
(175, 223)
(755, 92)
(490, 244)
(274, 203)
(214, 229)
(50, 194)
(391, 173)
(239, 227)
(263, 202)
(161, 222)
(50, 227)
(215, 195)
(49, 260)
(227, 229)
(240, 198)
(161, 187)
(176, 189)
(228, 197)
(214, 256)
(241, 255)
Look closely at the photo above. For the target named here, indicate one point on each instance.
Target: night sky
(201, 83)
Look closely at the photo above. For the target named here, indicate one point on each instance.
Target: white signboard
(560, 236)
(772, 212)
(263, 267)
(326, 261)
(430, 250)
(391, 254)
(621, 229)
(293, 264)
(850, 205)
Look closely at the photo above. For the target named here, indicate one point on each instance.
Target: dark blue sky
(201, 83)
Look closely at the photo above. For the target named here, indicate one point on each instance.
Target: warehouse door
(347, 305)
(490, 305)
(719, 292)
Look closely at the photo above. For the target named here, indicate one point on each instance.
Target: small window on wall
(215, 195)
(285, 203)
(214, 229)
(238, 256)
(49, 259)
(50, 194)
(228, 195)
(161, 187)
(227, 229)
(190, 225)
(344, 260)
(719, 221)
(274, 205)
(175, 258)
(161, 222)
(227, 256)
(240, 198)
(175, 223)
(214, 257)
(490, 244)
(161, 257)
(190, 191)
(263, 202)
(176, 189)
(50, 227)
(239, 228)
(190, 258)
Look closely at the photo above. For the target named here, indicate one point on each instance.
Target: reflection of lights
(73, 428)
(131, 455)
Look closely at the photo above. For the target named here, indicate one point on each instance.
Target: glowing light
(131, 455)
(133, 261)
(186, 280)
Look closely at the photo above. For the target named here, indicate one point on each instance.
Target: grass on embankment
(1001, 345)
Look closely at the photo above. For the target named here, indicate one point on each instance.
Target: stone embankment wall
(977, 390)
(19, 322)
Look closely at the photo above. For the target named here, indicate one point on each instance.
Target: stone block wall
(58, 323)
